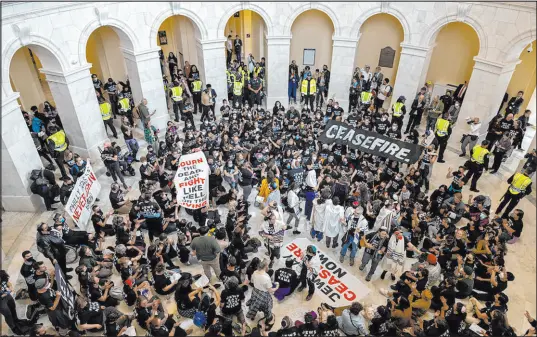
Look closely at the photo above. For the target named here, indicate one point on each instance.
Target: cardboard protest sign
(370, 142)
(334, 284)
(83, 197)
(192, 181)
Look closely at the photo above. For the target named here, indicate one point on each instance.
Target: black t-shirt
(115, 198)
(326, 330)
(161, 281)
(96, 218)
(227, 274)
(517, 225)
(108, 154)
(129, 295)
(290, 332)
(183, 301)
(246, 177)
(506, 125)
(337, 112)
(308, 330)
(92, 314)
(232, 301)
(126, 134)
(47, 298)
(454, 321)
(111, 88)
(286, 277)
(142, 315)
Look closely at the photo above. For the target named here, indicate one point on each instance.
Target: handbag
(116, 292)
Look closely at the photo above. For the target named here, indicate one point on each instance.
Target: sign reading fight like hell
(192, 181)
(83, 197)
(370, 142)
(334, 284)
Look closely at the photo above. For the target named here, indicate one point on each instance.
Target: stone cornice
(70, 76)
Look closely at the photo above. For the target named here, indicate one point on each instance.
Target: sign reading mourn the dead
(370, 142)
(192, 181)
(83, 196)
(337, 286)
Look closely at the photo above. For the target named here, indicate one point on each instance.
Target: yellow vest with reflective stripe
(366, 97)
(59, 141)
(125, 104)
(479, 154)
(519, 184)
(237, 88)
(313, 87)
(398, 109)
(244, 76)
(442, 126)
(105, 110)
(257, 71)
(196, 86)
(177, 94)
(228, 74)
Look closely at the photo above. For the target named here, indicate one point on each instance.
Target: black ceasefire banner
(298, 175)
(370, 142)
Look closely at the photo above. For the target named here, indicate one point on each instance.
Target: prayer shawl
(384, 219)
(332, 223)
(318, 218)
(394, 260)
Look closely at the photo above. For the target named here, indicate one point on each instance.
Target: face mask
(394, 128)
(501, 275)
(383, 119)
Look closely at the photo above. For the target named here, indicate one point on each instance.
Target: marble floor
(18, 234)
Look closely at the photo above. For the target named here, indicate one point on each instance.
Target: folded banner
(192, 181)
(68, 295)
(370, 142)
(83, 196)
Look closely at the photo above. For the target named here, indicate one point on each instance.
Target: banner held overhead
(192, 181)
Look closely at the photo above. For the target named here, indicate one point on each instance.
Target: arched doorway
(180, 35)
(450, 61)
(380, 34)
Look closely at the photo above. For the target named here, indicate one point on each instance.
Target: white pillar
(77, 106)
(279, 49)
(343, 55)
(409, 72)
(486, 88)
(214, 62)
(146, 82)
(19, 158)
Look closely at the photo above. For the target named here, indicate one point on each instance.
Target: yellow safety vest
(313, 87)
(105, 110)
(479, 154)
(257, 71)
(398, 109)
(228, 74)
(125, 104)
(59, 141)
(366, 97)
(244, 76)
(237, 88)
(177, 94)
(442, 126)
(196, 86)
(519, 184)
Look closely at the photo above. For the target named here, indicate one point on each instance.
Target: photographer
(273, 231)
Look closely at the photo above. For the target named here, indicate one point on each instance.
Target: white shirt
(474, 129)
(261, 280)
(293, 201)
(367, 75)
(229, 45)
(382, 89)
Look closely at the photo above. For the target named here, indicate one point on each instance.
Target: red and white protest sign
(192, 181)
(83, 197)
(337, 286)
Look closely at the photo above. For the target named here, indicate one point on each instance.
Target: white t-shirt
(261, 280)
(384, 87)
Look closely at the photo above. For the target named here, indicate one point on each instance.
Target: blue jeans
(315, 234)
(352, 245)
(431, 122)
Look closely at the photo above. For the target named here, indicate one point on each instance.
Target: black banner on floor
(370, 142)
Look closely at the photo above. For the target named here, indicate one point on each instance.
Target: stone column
(343, 54)
(279, 49)
(214, 62)
(19, 158)
(486, 88)
(145, 78)
(409, 72)
(77, 106)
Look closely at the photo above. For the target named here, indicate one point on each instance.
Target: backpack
(389, 92)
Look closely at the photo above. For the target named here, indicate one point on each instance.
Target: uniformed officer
(196, 94)
(106, 114)
(308, 90)
(58, 143)
(478, 163)
(399, 111)
(176, 94)
(520, 187)
(125, 107)
(255, 86)
(442, 133)
(366, 98)
(237, 91)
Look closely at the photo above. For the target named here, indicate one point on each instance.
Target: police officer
(196, 94)
(366, 98)
(125, 107)
(110, 159)
(106, 114)
(176, 94)
(399, 111)
(58, 143)
(255, 86)
(442, 133)
(308, 90)
(111, 89)
(237, 91)
(478, 162)
(520, 187)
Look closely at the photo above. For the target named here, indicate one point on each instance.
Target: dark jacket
(513, 105)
